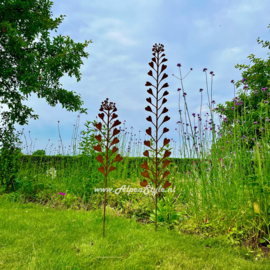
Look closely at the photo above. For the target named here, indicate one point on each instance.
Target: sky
(212, 34)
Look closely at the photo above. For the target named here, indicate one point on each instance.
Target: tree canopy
(35, 67)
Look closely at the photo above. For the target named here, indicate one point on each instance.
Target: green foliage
(38, 68)
(89, 141)
(39, 153)
(165, 211)
(8, 160)
(9, 166)
(19, 152)
(251, 107)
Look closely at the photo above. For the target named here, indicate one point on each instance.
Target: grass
(40, 237)
(214, 219)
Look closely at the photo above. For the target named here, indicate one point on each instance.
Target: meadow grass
(39, 237)
(214, 219)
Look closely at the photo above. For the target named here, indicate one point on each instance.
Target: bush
(39, 153)
(17, 150)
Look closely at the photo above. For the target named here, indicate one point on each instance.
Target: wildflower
(52, 171)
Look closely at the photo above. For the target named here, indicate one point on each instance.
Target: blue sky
(211, 34)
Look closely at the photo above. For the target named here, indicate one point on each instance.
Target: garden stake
(156, 49)
(99, 158)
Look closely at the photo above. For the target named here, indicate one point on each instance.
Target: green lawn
(34, 236)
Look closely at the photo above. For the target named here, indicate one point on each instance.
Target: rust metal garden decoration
(104, 169)
(156, 179)
(156, 49)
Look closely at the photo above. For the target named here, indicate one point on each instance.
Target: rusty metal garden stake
(157, 49)
(99, 158)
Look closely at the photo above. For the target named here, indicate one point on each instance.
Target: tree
(39, 67)
(257, 102)
(39, 153)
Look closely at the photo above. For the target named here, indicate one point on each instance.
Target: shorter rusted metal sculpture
(104, 169)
